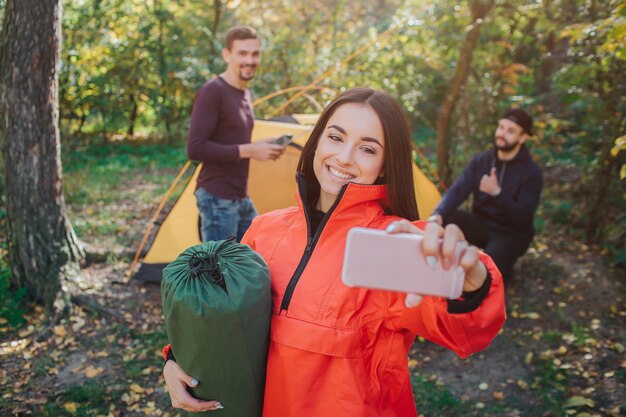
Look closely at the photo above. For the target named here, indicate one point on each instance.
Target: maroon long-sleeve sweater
(221, 119)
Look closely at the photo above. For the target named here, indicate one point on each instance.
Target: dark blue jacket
(512, 211)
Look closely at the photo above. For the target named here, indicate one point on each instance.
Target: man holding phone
(506, 185)
(219, 136)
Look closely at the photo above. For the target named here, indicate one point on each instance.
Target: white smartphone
(379, 260)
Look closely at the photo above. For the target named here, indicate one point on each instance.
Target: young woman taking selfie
(341, 351)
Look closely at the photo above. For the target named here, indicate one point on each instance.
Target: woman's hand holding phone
(439, 245)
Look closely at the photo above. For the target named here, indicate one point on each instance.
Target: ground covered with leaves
(561, 352)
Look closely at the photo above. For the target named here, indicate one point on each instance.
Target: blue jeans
(222, 218)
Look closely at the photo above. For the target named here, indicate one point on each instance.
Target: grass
(81, 400)
(98, 173)
(42, 365)
(550, 384)
(101, 177)
(551, 337)
(434, 399)
(143, 343)
(580, 333)
(11, 314)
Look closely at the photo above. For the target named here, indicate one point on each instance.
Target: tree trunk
(556, 48)
(601, 185)
(43, 248)
(479, 11)
(615, 126)
(163, 108)
(132, 115)
(217, 15)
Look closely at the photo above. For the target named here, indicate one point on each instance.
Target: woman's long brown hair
(398, 164)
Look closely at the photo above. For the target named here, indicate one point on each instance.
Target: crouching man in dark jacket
(506, 184)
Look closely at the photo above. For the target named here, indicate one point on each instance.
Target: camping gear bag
(217, 306)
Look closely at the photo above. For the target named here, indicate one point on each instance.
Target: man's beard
(504, 148)
(253, 69)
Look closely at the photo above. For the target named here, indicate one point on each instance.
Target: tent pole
(129, 274)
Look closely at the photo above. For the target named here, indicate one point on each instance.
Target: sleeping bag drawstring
(203, 262)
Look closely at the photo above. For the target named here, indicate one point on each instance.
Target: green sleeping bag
(217, 306)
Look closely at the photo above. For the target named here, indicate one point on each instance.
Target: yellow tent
(271, 186)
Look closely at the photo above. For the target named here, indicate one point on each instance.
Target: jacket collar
(351, 194)
(522, 155)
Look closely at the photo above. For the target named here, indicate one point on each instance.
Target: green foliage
(99, 172)
(580, 333)
(10, 300)
(559, 213)
(132, 68)
(433, 399)
(551, 385)
(86, 399)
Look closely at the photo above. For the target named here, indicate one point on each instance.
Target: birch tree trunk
(43, 248)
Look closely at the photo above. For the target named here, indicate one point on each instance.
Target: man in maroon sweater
(219, 136)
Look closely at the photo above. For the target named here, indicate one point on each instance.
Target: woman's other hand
(177, 382)
(439, 245)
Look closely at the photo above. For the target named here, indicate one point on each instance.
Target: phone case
(284, 140)
(378, 260)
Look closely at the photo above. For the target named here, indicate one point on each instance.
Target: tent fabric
(271, 186)
(217, 305)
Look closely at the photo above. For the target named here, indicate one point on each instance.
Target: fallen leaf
(126, 399)
(136, 388)
(60, 331)
(91, 372)
(80, 322)
(578, 401)
(36, 401)
(529, 358)
(13, 346)
(498, 395)
(71, 407)
(153, 370)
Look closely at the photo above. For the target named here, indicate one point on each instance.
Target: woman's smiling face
(351, 149)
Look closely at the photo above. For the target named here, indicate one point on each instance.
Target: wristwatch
(435, 218)
(497, 192)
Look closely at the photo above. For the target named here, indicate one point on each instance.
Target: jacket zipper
(310, 246)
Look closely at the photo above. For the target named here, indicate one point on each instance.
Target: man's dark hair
(239, 33)
(521, 118)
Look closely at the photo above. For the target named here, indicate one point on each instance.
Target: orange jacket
(340, 351)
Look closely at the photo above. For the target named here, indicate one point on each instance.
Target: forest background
(129, 70)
